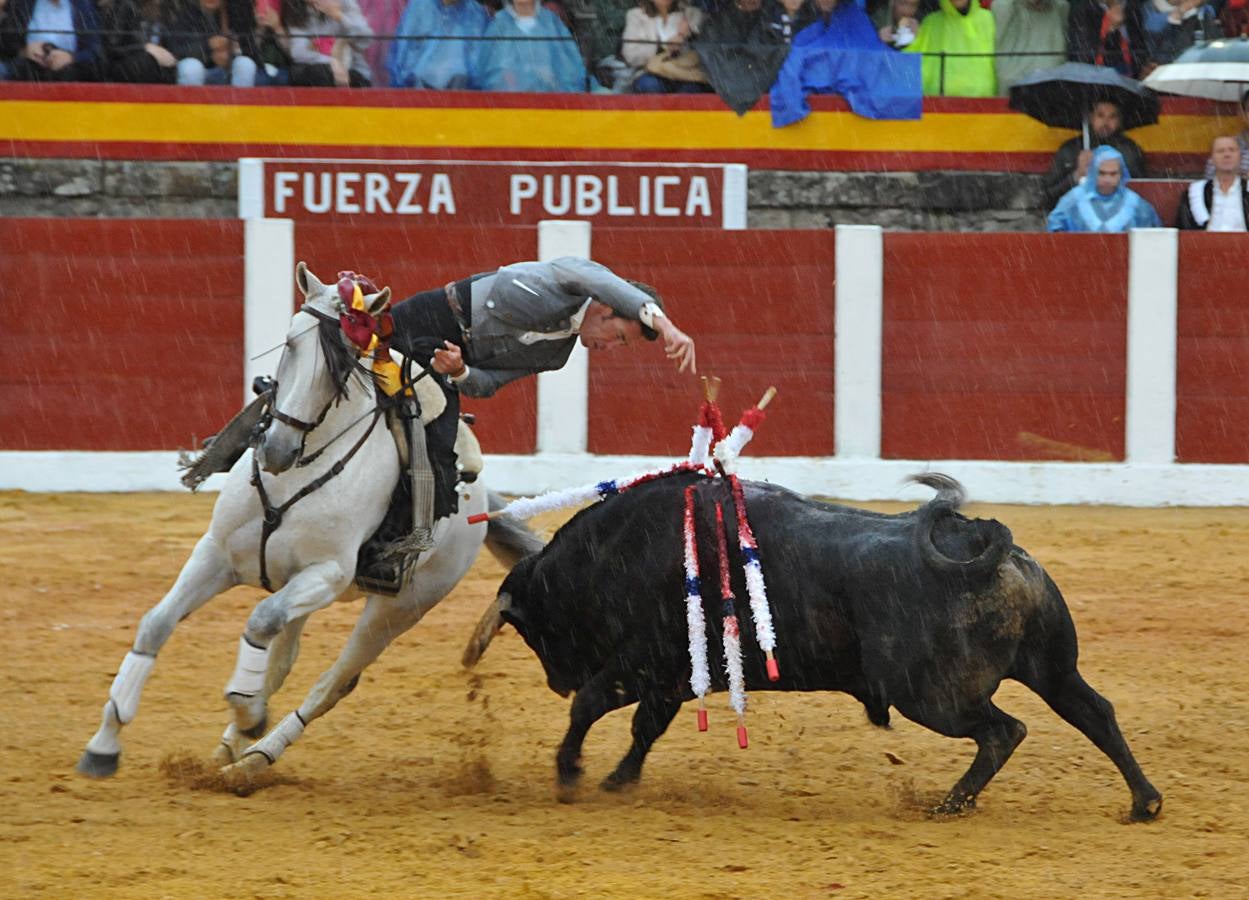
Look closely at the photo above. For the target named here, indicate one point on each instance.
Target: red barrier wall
(415, 259)
(1212, 417)
(1163, 195)
(1004, 346)
(118, 334)
(760, 306)
(127, 335)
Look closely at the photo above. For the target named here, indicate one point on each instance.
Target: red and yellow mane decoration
(371, 333)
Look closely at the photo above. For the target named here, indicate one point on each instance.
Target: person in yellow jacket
(958, 26)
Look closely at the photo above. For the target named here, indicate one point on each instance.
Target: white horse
(329, 460)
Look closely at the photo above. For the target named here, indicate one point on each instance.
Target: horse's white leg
(206, 574)
(282, 655)
(382, 620)
(316, 587)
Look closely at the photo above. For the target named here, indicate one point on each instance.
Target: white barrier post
(858, 324)
(268, 279)
(1153, 272)
(564, 395)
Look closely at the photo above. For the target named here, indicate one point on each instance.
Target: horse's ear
(377, 303)
(305, 280)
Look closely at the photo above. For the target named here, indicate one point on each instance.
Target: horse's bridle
(306, 428)
(273, 514)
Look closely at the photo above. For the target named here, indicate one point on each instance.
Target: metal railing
(581, 41)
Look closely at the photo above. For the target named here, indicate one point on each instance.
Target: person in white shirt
(1220, 203)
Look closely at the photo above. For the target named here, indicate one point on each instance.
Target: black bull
(925, 611)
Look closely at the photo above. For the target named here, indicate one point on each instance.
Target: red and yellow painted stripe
(123, 121)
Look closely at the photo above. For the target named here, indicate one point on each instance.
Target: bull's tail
(951, 495)
(510, 540)
(949, 490)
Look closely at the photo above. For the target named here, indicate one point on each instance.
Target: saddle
(389, 554)
(385, 558)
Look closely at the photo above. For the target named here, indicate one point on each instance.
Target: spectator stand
(137, 122)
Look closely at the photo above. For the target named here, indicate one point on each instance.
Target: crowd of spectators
(971, 48)
(968, 48)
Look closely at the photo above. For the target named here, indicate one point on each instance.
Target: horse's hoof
(251, 764)
(98, 765)
(1147, 811)
(223, 755)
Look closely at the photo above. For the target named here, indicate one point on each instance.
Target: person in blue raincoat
(1102, 201)
(437, 65)
(842, 53)
(552, 65)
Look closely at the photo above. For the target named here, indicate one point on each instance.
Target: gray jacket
(516, 303)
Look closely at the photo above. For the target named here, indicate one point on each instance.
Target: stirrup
(421, 539)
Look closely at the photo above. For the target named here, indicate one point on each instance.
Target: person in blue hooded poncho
(436, 64)
(546, 66)
(1102, 202)
(841, 53)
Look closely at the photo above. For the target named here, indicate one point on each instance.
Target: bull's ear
(376, 303)
(306, 281)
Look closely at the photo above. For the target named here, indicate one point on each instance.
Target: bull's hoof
(1147, 811)
(98, 765)
(952, 806)
(568, 776)
(618, 781)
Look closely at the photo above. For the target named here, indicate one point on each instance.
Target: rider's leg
(440, 438)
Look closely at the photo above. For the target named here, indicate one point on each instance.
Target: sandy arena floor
(431, 782)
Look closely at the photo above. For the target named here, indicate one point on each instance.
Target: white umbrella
(1216, 70)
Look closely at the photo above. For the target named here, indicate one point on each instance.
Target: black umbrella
(1063, 96)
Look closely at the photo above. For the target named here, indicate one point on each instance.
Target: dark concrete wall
(906, 201)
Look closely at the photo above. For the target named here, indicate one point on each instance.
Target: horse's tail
(510, 540)
(507, 537)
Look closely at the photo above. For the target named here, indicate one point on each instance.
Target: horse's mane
(341, 361)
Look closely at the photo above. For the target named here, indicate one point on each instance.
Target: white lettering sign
(498, 193)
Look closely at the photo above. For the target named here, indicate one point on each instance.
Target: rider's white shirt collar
(574, 328)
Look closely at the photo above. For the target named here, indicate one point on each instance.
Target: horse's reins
(273, 515)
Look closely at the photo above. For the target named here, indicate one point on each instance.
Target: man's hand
(219, 50)
(341, 79)
(448, 361)
(1082, 164)
(677, 344)
(163, 57)
(58, 59)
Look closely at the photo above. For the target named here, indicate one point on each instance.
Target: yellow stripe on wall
(354, 126)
